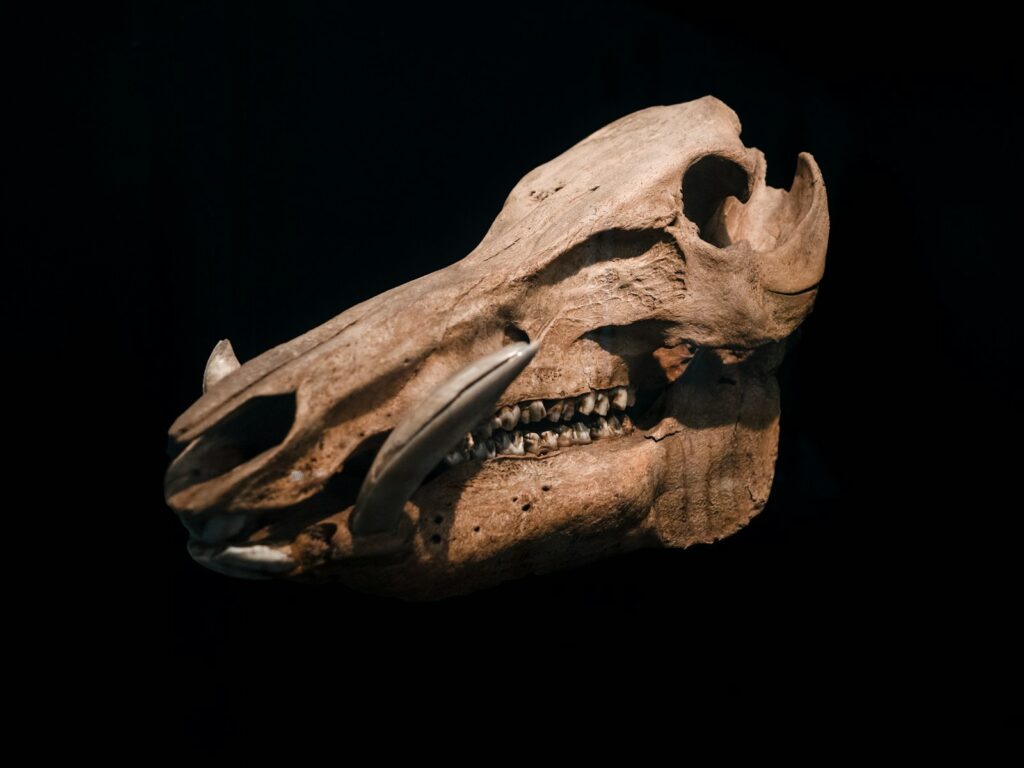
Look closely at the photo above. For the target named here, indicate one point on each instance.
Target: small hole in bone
(436, 538)
(514, 333)
(545, 487)
(438, 520)
(476, 529)
(526, 507)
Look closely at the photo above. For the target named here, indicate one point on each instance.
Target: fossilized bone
(596, 376)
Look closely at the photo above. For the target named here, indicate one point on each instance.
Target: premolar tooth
(537, 411)
(580, 433)
(601, 406)
(495, 423)
(548, 440)
(586, 403)
(516, 446)
(600, 429)
(509, 417)
(568, 409)
(620, 398)
(467, 442)
(531, 441)
(627, 424)
(565, 436)
(503, 441)
(524, 414)
(614, 425)
(484, 449)
(630, 397)
(555, 411)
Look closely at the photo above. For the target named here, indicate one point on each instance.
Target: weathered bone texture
(650, 255)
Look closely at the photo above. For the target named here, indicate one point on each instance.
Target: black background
(249, 173)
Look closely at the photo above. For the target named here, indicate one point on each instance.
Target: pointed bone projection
(596, 376)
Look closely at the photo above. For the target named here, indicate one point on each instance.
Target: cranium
(609, 348)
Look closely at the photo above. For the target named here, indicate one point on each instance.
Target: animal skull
(650, 250)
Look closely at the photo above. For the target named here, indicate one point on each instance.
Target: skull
(595, 377)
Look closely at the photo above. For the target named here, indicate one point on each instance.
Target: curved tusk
(221, 362)
(429, 432)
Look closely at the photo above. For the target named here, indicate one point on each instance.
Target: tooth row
(519, 443)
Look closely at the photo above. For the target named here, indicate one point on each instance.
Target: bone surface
(411, 447)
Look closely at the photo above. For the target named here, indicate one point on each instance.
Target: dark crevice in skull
(706, 186)
(259, 424)
(343, 487)
(607, 245)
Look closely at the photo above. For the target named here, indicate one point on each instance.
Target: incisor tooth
(627, 424)
(509, 417)
(549, 440)
(531, 441)
(586, 403)
(580, 433)
(601, 406)
(564, 436)
(453, 458)
(619, 398)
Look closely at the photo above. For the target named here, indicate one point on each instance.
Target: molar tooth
(580, 433)
(586, 403)
(555, 411)
(565, 436)
(568, 409)
(516, 446)
(620, 397)
(537, 411)
(600, 429)
(614, 425)
(601, 406)
(532, 442)
(630, 397)
(509, 417)
(627, 424)
(549, 440)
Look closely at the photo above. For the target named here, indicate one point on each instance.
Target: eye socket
(707, 184)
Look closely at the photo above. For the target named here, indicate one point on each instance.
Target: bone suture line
(416, 445)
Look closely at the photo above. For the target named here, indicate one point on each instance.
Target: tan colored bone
(633, 261)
